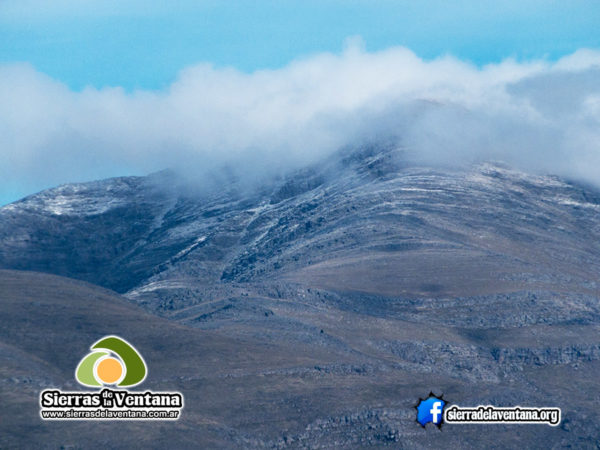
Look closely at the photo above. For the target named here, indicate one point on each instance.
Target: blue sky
(57, 113)
(145, 44)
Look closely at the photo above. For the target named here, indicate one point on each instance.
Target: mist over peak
(539, 116)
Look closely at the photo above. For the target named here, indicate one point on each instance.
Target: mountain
(233, 388)
(380, 278)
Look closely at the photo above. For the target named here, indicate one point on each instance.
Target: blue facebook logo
(430, 410)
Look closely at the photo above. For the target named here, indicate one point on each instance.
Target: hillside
(316, 309)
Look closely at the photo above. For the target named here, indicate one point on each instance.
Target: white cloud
(539, 115)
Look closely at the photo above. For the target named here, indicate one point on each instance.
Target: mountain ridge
(149, 232)
(479, 282)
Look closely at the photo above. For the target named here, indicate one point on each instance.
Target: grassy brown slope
(48, 324)
(279, 391)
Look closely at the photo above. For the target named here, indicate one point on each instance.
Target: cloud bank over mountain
(539, 115)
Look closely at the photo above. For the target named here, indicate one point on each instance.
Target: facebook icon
(431, 410)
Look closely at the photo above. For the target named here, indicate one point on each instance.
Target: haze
(541, 116)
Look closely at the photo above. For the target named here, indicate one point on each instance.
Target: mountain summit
(479, 281)
(364, 222)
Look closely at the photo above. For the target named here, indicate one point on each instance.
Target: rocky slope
(479, 282)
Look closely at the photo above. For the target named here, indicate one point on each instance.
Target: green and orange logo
(112, 362)
(112, 365)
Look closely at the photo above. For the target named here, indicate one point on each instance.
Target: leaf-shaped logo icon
(112, 361)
